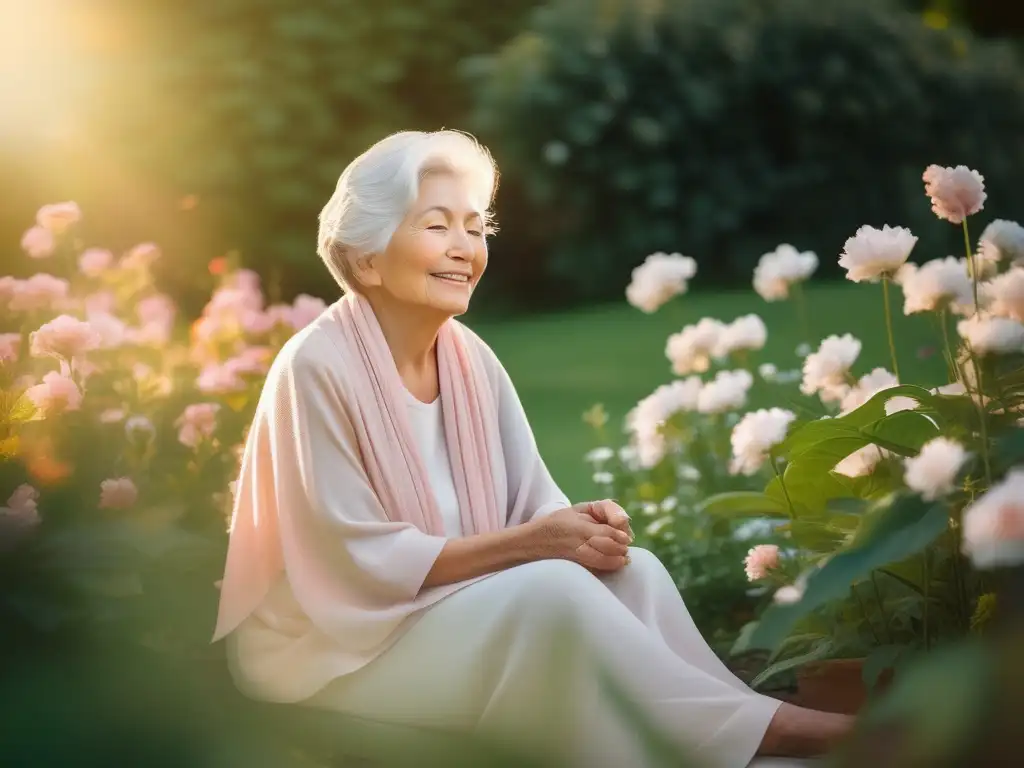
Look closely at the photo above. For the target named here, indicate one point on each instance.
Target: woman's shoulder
(313, 350)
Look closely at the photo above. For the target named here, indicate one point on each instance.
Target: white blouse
(428, 428)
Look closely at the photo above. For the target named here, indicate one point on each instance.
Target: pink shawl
(333, 493)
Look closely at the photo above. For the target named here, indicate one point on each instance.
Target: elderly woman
(398, 549)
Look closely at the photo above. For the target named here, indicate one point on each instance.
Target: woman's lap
(494, 656)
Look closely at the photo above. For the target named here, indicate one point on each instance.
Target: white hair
(376, 190)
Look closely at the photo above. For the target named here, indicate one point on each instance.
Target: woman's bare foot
(799, 732)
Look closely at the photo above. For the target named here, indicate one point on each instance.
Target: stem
(958, 577)
(982, 421)
(951, 359)
(888, 326)
(881, 606)
(972, 266)
(864, 610)
(789, 502)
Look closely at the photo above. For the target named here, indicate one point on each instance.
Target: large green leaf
(818, 651)
(895, 532)
(742, 504)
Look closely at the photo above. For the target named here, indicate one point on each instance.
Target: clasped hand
(595, 534)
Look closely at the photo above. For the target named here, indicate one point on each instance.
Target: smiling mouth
(453, 278)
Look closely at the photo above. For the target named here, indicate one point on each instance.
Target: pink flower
(251, 360)
(111, 330)
(956, 193)
(245, 280)
(760, 560)
(118, 493)
(112, 415)
(38, 243)
(9, 344)
(217, 379)
(57, 393)
(256, 323)
(57, 217)
(158, 308)
(65, 337)
(19, 517)
(305, 310)
(101, 301)
(94, 261)
(8, 287)
(41, 291)
(141, 256)
(234, 301)
(198, 422)
(279, 314)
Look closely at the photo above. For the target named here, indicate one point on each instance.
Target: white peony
(956, 193)
(935, 285)
(645, 420)
(777, 271)
(875, 253)
(692, 348)
(826, 371)
(867, 386)
(993, 526)
(1004, 294)
(727, 391)
(1002, 241)
(987, 335)
(747, 332)
(932, 473)
(756, 434)
(658, 279)
(861, 462)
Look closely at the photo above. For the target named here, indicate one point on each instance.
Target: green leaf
(894, 533)
(817, 652)
(906, 429)
(742, 504)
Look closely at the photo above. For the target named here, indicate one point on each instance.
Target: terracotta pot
(836, 685)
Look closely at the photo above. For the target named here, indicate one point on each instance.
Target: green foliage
(721, 128)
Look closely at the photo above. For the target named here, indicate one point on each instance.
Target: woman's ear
(365, 271)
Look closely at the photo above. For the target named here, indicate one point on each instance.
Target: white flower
(933, 471)
(777, 271)
(603, 478)
(935, 285)
(644, 421)
(658, 279)
(992, 334)
(599, 455)
(1005, 294)
(1002, 240)
(826, 370)
(767, 371)
(861, 462)
(727, 391)
(899, 403)
(792, 593)
(692, 348)
(993, 526)
(756, 434)
(761, 559)
(867, 387)
(956, 193)
(658, 525)
(747, 332)
(875, 253)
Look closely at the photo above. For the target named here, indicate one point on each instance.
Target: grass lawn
(564, 362)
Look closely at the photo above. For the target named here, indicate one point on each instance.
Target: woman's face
(439, 251)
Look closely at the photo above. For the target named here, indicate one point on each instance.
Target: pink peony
(65, 337)
(118, 493)
(57, 217)
(38, 243)
(8, 287)
(956, 193)
(198, 422)
(158, 308)
(760, 560)
(306, 309)
(9, 344)
(57, 393)
(101, 301)
(111, 330)
(41, 291)
(216, 379)
(94, 261)
(251, 360)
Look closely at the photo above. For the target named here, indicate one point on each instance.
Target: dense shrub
(724, 127)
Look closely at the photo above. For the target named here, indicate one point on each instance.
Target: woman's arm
(471, 556)
(570, 533)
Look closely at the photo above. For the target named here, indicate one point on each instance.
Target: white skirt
(494, 657)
